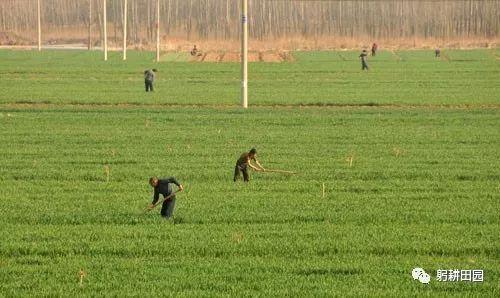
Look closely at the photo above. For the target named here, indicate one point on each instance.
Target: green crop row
(315, 78)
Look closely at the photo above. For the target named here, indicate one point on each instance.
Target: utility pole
(105, 32)
(157, 30)
(125, 30)
(244, 53)
(39, 27)
(90, 25)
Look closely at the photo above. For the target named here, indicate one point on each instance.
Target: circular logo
(416, 272)
(424, 278)
(421, 275)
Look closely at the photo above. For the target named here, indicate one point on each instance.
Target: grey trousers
(149, 85)
(167, 208)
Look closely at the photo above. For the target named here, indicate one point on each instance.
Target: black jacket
(164, 188)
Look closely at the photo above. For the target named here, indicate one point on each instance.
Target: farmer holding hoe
(364, 64)
(244, 162)
(163, 186)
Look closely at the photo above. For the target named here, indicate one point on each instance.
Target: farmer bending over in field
(364, 65)
(162, 186)
(195, 52)
(149, 78)
(244, 162)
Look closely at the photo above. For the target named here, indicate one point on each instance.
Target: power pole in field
(90, 25)
(244, 53)
(157, 30)
(39, 27)
(125, 30)
(105, 32)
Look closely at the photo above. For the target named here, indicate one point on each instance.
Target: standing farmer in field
(363, 56)
(244, 162)
(163, 186)
(374, 49)
(437, 53)
(149, 78)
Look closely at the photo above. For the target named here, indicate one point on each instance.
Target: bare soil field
(253, 56)
(289, 43)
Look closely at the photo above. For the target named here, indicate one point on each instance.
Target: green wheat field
(397, 168)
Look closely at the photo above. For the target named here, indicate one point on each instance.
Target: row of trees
(194, 19)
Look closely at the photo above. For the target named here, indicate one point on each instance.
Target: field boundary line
(230, 106)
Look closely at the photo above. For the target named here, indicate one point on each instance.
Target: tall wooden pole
(105, 32)
(125, 30)
(39, 27)
(158, 30)
(244, 53)
(90, 25)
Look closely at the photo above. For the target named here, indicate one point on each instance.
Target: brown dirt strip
(229, 56)
(253, 57)
(212, 57)
(287, 56)
(22, 106)
(271, 57)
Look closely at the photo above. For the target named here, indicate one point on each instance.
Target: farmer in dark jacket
(163, 186)
(244, 162)
(363, 56)
(149, 78)
(374, 49)
(437, 53)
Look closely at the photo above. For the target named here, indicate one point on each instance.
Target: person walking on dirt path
(163, 186)
(374, 49)
(364, 64)
(149, 78)
(244, 162)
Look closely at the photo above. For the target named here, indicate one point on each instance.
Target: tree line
(268, 19)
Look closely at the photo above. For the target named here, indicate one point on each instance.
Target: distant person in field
(163, 187)
(149, 78)
(374, 49)
(437, 53)
(195, 52)
(364, 64)
(244, 162)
